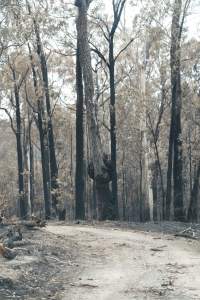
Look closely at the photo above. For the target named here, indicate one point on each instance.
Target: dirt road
(120, 264)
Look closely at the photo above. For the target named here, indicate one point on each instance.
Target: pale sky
(192, 21)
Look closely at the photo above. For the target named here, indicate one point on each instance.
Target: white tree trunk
(146, 159)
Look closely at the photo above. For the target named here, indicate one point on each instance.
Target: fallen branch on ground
(186, 236)
(33, 224)
(187, 233)
(6, 252)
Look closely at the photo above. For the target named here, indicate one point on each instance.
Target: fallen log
(33, 224)
(188, 233)
(186, 236)
(7, 252)
(13, 235)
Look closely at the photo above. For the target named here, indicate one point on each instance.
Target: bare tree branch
(10, 118)
(185, 9)
(117, 10)
(100, 54)
(23, 78)
(123, 49)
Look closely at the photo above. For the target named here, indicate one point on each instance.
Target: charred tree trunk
(175, 142)
(22, 202)
(176, 99)
(45, 160)
(26, 168)
(79, 180)
(53, 163)
(159, 169)
(113, 140)
(155, 190)
(28, 158)
(141, 195)
(31, 177)
(44, 147)
(170, 168)
(193, 207)
(124, 199)
(44, 71)
(118, 7)
(99, 169)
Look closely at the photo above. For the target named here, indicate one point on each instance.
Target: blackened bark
(102, 194)
(177, 174)
(51, 144)
(157, 170)
(113, 140)
(190, 160)
(103, 197)
(94, 201)
(30, 158)
(158, 166)
(118, 7)
(155, 190)
(176, 99)
(117, 12)
(44, 69)
(26, 167)
(79, 179)
(31, 178)
(193, 207)
(99, 170)
(45, 161)
(124, 194)
(141, 195)
(170, 168)
(22, 202)
(43, 133)
(175, 142)
(124, 199)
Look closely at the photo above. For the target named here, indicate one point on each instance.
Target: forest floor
(105, 261)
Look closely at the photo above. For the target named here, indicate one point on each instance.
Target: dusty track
(120, 264)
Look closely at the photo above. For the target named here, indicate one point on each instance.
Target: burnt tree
(98, 169)
(109, 35)
(43, 134)
(17, 105)
(193, 206)
(175, 164)
(51, 143)
(79, 177)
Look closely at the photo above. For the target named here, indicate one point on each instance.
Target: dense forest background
(100, 109)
